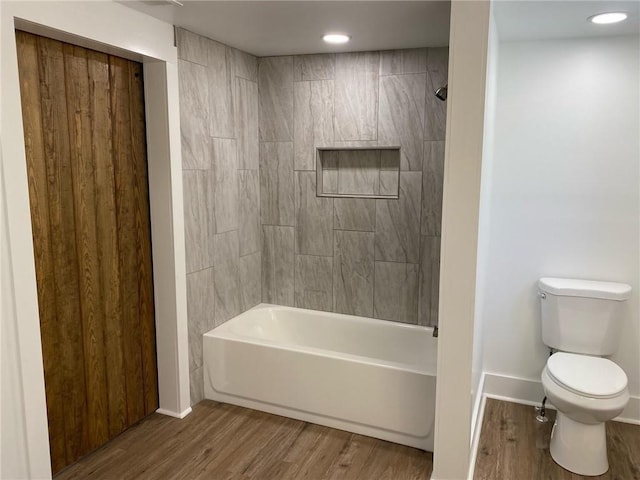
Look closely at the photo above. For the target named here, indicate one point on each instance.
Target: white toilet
(581, 321)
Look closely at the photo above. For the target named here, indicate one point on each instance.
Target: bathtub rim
(224, 331)
(356, 318)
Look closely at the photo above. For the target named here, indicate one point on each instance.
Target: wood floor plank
(514, 445)
(191, 444)
(219, 441)
(305, 442)
(353, 457)
(328, 445)
(401, 467)
(268, 456)
(243, 425)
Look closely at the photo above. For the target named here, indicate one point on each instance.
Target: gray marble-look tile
(243, 65)
(401, 116)
(221, 123)
(390, 159)
(275, 80)
(356, 96)
(314, 67)
(200, 308)
(330, 181)
(314, 217)
(249, 211)
(313, 125)
(196, 384)
(278, 265)
(432, 178)
(329, 163)
(329, 159)
(246, 116)
(358, 144)
(396, 292)
(429, 281)
(398, 222)
(436, 110)
(313, 282)
(354, 214)
(250, 277)
(353, 272)
(412, 60)
(224, 185)
(197, 224)
(194, 115)
(438, 59)
(358, 172)
(191, 47)
(226, 276)
(276, 183)
(389, 182)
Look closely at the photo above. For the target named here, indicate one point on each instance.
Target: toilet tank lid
(585, 288)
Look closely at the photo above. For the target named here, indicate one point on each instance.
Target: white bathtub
(366, 376)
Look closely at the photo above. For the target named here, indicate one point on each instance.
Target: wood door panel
(126, 215)
(86, 213)
(38, 175)
(83, 115)
(108, 247)
(99, 116)
(65, 279)
(143, 224)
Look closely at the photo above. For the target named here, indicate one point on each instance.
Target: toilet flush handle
(542, 295)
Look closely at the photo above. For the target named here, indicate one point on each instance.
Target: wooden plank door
(83, 115)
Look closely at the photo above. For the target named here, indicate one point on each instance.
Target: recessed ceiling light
(336, 38)
(609, 17)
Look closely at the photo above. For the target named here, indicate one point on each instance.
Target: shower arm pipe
(441, 93)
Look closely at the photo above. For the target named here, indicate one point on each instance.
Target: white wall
(484, 216)
(13, 442)
(563, 199)
(484, 220)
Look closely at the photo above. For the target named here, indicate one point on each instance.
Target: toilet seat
(592, 377)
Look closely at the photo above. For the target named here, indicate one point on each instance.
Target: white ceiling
(537, 20)
(266, 28)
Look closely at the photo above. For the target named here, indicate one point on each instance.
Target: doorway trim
(118, 30)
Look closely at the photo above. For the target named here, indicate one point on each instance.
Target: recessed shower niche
(358, 172)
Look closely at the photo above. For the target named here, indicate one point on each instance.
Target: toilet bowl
(587, 391)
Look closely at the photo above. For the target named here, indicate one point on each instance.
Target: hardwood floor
(513, 445)
(224, 442)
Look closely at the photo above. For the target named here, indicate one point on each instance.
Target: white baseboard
(631, 414)
(169, 413)
(527, 392)
(476, 413)
(530, 392)
(513, 389)
(476, 425)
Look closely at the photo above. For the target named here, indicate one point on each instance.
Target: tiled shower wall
(219, 125)
(371, 257)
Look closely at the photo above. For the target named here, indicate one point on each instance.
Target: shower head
(441, 93)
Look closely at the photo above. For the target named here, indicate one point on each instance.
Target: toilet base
(578, 447)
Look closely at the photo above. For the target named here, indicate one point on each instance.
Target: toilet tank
(582, 316)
